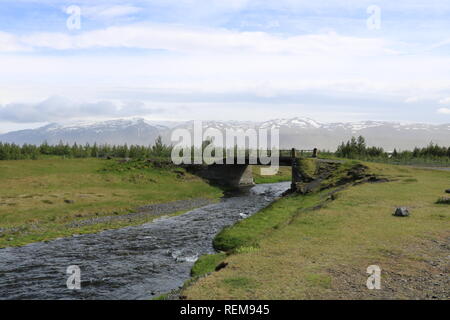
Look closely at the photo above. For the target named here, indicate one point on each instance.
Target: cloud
(175, 61)
(443, 111)
(205, 40)
(445, 101)
(109, 12)
(58, 108)
(412, 100)
(11, 43)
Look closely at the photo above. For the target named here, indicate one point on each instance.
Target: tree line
(11, 151)
(356, 148)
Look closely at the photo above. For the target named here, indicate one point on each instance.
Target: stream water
(129, 263)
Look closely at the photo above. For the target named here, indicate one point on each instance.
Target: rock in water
(401, 212)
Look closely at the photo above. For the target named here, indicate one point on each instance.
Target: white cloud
(412, 100)
(57, 108)
(11, 43)
(196, 40)
(445, 101)
(443, 111)
(215, 64)
(109, 12)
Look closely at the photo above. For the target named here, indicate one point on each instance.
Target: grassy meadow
(296, 250)
(38, 198)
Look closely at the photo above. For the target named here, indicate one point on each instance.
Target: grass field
(292, 251)
(39, 198)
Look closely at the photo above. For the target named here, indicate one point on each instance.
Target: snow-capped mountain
(130, 131)
(302, 133)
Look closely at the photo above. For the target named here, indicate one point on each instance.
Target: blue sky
(224, 60)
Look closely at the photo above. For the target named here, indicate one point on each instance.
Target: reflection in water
(129, 263)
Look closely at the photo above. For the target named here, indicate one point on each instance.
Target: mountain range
(301, 133)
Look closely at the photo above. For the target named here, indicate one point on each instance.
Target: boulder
(447, 191)
(401, 212)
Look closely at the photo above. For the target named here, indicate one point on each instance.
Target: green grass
(240, 283)
(321, 254)
(33, 194)
(247, 232)
(284, 174)
(206, 264)
(318, 280)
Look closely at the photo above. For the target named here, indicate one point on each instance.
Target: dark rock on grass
(375, 179)
(305, 188)
(161, 163)
(401, 212)
(358, 171)
(69, 201)
(447, 191)
(443, 200)
(220, 266)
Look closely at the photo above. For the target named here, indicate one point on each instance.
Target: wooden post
(293, 168)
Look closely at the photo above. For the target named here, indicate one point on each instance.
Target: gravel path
(147, 211)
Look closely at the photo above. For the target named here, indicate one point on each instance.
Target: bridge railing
(298, 153)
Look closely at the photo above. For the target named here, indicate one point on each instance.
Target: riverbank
(301, 247)
(47, 199)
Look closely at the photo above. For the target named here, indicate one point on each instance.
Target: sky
(257, 60)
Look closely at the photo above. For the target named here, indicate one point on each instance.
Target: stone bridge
(239, 175)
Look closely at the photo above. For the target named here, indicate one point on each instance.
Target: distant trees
(356, 148)
(11, 151)
(159, 149)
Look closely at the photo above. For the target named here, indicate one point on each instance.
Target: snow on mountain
(130, 131)
(291, 123)
(303, 133)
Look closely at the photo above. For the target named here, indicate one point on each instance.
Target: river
(138, 262)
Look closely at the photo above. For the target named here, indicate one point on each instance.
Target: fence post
(293, 168)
